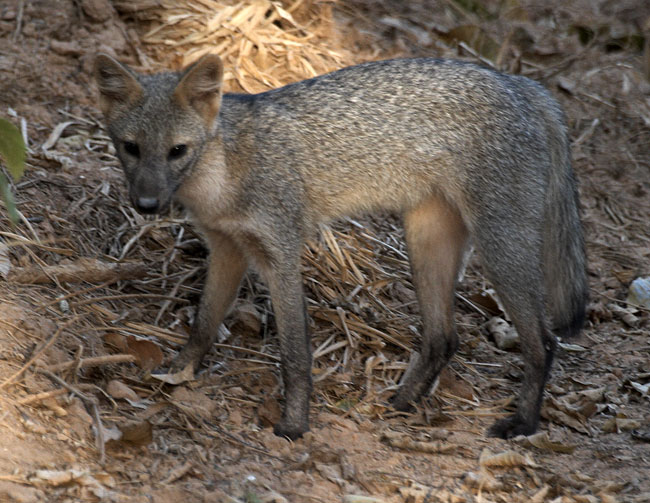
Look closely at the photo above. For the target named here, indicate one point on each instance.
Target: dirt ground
(81, 418)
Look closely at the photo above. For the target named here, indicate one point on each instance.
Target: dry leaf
(149, 355)
(621, 423)
(55, 135)
(119, 390)
(541, 440)
(416, 493)
(561, 412)
(571, 347)
(355, 498)
(269, 412)
(452, 385)
(185, 375)
(62, 477)
(505, 335)
(330, 472)
(642, 435)
(118, 341)
(273, 497)
(487, 301)
(539, 496)
(504, 459)
(178, 472)
(5, 263)
(247, 318)
(644, 389)
(482, 481)
(404, 441)
(194, 401)
(137, 432)
(625, 314)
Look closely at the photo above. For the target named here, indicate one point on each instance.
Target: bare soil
(81, 418)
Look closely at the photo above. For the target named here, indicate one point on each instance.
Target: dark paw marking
(401, 404)
(511, 427)
(292, 432)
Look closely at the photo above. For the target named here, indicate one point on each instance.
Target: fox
(463, 153)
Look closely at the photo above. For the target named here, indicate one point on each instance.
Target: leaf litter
(362, 307)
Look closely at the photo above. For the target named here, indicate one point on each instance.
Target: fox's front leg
(285, 284)
(226, 267)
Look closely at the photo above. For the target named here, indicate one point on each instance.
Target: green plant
(12, 151)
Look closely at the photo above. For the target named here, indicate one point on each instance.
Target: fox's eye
(132, 148)
(177, 151)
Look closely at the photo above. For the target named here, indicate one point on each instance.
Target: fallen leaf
(55, 135)
(119, 390)
(404, 441)
(541, 440)
(5, 263)
(505, 335)
(416, 493)
(487, 301)
(269, 412)
(540, 496)
(571, 347)
(111, 433)
(625, 314)
(330, 472)
(355, 498)
(149, 355)
(194, 401)
(642, 435)
(136, 433)
(63, 477)
(247, 318)
(644, 389)
(483, 481)
(620, 423)
(273, 497)
(178, 472)
(506, 458)
(118, 341)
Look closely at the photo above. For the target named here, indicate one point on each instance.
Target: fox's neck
(215, 182)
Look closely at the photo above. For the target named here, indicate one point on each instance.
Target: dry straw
(263, 44)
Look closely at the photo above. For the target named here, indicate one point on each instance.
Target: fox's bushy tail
(565, 274)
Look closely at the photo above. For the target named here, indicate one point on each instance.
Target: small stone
(639, 293)
(97, 10)
(66, 48)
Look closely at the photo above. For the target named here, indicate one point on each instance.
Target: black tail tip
(575, 324)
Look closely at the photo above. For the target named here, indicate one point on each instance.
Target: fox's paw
(184, 360)
(291, 431)
(511, 427)
(400, 402)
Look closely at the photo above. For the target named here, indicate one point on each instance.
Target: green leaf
(8, 198)
(12, 149)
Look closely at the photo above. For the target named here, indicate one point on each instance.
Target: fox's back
(388, 133)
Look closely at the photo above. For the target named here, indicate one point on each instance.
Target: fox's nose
(147, 204)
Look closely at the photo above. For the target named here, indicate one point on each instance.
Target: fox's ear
(201, 86)
(116, 83)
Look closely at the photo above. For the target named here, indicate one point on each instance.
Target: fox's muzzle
(147, 204)
(150, 191)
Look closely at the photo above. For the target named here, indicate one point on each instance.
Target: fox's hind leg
(436, 237)
(511, 252)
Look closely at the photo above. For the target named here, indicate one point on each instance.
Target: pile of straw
(264, 44)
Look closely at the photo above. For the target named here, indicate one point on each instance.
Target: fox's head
(159, 123)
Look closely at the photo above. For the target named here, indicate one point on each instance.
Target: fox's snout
(150, 194)
(146, 205)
